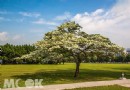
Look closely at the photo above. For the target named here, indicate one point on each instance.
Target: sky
(26, 21)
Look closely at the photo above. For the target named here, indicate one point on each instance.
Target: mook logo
(29, 83)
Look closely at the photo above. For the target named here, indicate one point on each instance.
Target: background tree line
(9, 52)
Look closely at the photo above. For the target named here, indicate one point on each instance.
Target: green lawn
(113, 87)
(59, 74)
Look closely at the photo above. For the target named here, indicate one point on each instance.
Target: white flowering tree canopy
(69, 40)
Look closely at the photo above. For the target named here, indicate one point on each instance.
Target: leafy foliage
(9, 52)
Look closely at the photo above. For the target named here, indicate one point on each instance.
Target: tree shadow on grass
(125, 70)
(66, 76)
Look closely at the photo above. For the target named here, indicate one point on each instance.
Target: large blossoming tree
(68, 41)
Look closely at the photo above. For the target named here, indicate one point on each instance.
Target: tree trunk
(63, 61)
(77, 69)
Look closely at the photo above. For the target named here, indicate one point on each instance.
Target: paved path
(125, 83)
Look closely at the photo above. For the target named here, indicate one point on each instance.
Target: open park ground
(61, 74)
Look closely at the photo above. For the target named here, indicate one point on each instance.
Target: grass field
(113, 87)
(59, 74)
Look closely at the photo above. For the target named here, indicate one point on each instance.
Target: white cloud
(113, 23)
(16, 37)
(65, 16)
(19, 20)
(27, 14)
(3, 36)
(5, 12)
(1, 18)
(44, 22)
(6, 37)
(37, 31)
(4, 19)
(2, 12)
(97, 12)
